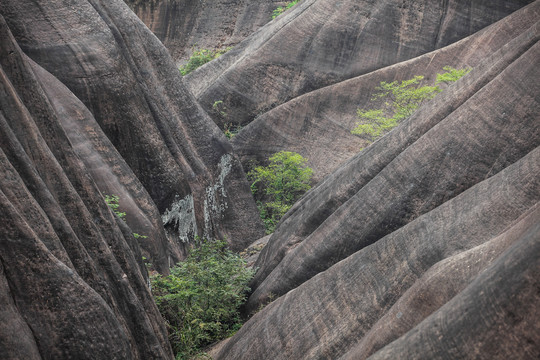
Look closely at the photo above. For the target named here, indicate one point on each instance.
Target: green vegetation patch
(401, 101)
(201, 297)
(112, 202)
(280, 10)
(279, 185)
(201, 57)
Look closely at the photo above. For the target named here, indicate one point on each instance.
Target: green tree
(276, 187)
(451, 75)
(401, 101)
(201, 297)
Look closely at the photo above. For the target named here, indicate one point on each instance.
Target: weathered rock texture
(427, 243)
(184, 25)
(160, 147)
(71, 275)
(435, 146)
(92, 104)
(321, 42)
(317, 125)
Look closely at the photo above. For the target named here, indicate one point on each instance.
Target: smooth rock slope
(185, 25)
(424, 245)
(322, 42)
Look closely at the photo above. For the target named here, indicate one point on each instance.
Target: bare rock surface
(185, 25)
(424, 245)
(92, 104)
(318, 125)
(322, 42)
(72, 278)
(442, 150)
(126, 79)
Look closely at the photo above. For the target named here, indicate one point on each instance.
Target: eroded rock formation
(71, 275)
(321, 42)
(424, 245)
(125, 78)
(185, 25)
(92, 104)
(407, 248)
(318, 124)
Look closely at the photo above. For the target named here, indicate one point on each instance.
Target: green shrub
(230, 130)
(199, 58)
(276, 187)
(201, 297)
(280, 10)
(402, 100)
(451, 75)
(112, 201)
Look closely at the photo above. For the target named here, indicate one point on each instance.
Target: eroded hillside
(426, 244)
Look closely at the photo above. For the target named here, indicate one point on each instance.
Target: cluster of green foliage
(199, 58)
(230, 130)
(280, 10)
(402, 100)
(219, 108)
(201, 297)
(276, 187)
(112, 202)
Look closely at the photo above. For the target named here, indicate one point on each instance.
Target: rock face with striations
(310, 124)
(72, 282)
(269, 80)
(424, 245)
(92, 104)
(162, 154)
(321, 42)
(185, 25)
(427, 243)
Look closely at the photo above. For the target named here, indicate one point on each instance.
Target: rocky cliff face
(319, 43)
(407, 248)
(174, 163)
(71, 275)
(311, 123)
(92, 104)
(184, 25)
(424, 245)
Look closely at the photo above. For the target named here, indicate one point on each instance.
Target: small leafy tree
(277, 186)
(112, 202)
(201, 297)
(451, 75)
(402, 100)
(280, 10)
(199, 58)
